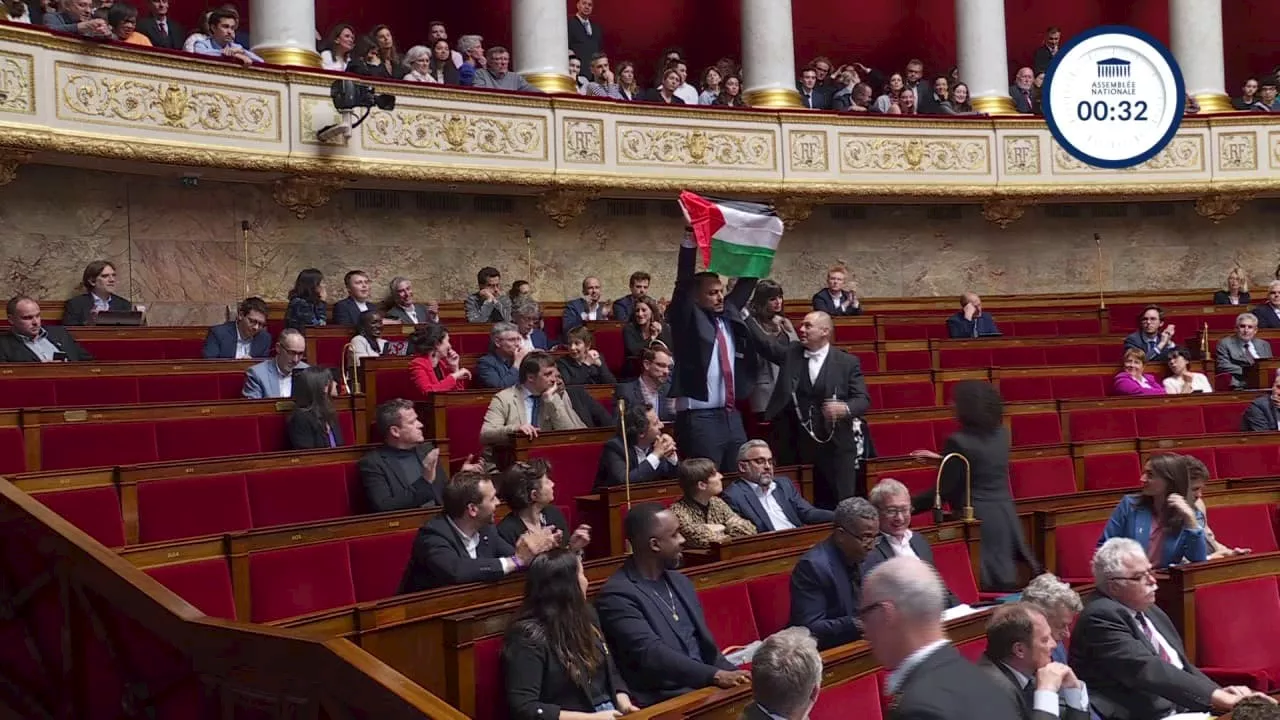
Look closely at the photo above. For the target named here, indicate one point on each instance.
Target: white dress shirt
(893, 683)
(816, 358)
(471, 543)
(243, 347)
(764, 493)
(24, 18)
(526, 342)
(901, 548)
(687, 93)
(412, 313)
(1046, 701)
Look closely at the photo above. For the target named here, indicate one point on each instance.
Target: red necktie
(1146, 630)
(726, 366)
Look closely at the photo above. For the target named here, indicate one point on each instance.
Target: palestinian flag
(737, 239)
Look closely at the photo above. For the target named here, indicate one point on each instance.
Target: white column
(983, 55)
(284, 31)
(768, 54)
(1195, 28)
(540, 35)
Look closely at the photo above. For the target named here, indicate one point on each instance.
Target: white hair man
(1268, 313)
(901, 616)
(1060, 605)
(1241, 350)
(892, 500)
(1128, 650)
(1017, 659)
(786, 676)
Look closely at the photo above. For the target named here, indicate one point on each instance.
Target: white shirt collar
(470, 542)
(894, 682)
(896, 543)
(820, 354)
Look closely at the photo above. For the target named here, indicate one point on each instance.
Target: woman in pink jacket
(1131, 380)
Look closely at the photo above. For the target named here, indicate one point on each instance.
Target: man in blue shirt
(222, 39)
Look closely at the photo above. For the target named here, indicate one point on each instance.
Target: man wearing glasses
(243, 338)
(1129, 653)
(273, 377)
(825, 583)
(771, 503)
(892, 501)
(1242, 350)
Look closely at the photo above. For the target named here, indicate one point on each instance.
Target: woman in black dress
(984, 441)
(313, 424)
(527, 489)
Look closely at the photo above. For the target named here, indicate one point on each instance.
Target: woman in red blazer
(435, 367)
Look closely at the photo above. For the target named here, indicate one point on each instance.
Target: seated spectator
(440, 67)
(313, 423)
(1199, 474)
(368, 341)
(526, 315)
(528, 491)
(770, 503)
(358, 300)
(1060, 605)
(1017, 660)
(584, 365)
(603, 82)
(666, 92)
(1129, 652)
(1263, 414)
(99, 282)
(835, 300)
(892, 501)
(971, 322)
(766, 308)
(436, 366)
(538, 403)
(812, 95)
(1160, 517)
(704, 517)
(827, 580)
(461, 545)
(76, 16)
(199, 33)
(437, 30)
(418, 59)
(588, 308)
(243, 338)
(1268, 313)
(366, 60)
(122, 18)
(1153, 337)
(1243, 350)
(500, 367)
(893, 86)
(405, 471)
(653, 453)
(29, 340)
(1132, 380)
(651, 616)
(273, 377)
(496, 74)
(401, 308)
(685, 91)
(520, 289)
(335, 54)
(653, 386)
(628, 89)
(731, 93)
(644, 329)
(960, 100)
(554, 658)
(711, 84)
(22, 12)
(488, 304)
(471, 49)
(1235, 291)
(307, 301)
(1182, 380)
(221, 41)
(388, 54)
(639, 286)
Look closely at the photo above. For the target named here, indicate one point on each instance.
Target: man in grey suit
(273, 377)
(1017, 659)
(1263, 414)
(1242, 350)
(892, 500)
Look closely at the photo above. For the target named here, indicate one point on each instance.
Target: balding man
(29, 340)
(901, 616)
(971, 322)
(273, 377)
(1268, 313)
(1020, 91)
(585, 309)
(817, 405)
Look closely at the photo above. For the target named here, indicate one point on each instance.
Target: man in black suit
(1263, 414)
(817, 405)
(1048, 51)
(160, 29)
(1128, 650)
(652, 619)
(589, 307)
(586, 38)
(715, 363)
(901, 616)
(1017, 659)
(405, 472)
(99, 282)
(405, 310)
(834, 300)
(826, 582)
(28, 340)
(653, 453)
(1021, 91)
(653, 386)
(243, 338)
(462, 546)
(772, 503)
(892, 501)
(786, 676)
(359, 299)
(812, 95)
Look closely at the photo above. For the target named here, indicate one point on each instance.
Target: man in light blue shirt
(222, 39)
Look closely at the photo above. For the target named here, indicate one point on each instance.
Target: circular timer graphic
(1114, 97)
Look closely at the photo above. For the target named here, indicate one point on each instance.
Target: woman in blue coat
(1160, 517)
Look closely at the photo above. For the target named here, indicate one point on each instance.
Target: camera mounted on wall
(348, 96)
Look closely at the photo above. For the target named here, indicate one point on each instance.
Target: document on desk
(959, 611)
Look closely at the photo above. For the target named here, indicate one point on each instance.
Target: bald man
(817, 405)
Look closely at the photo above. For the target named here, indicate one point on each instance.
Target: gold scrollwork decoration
(563, 205)
(1182, 154)
(859, 153)
(167, 104)
(583, 141)
(1238, 151)
(456, 133)
(10, 161)
(1005, 211)
(17, 90)
(795, 210)
(695, 146)
(808, 150)
(304, 193)
(1217, 207)
(1022, 155)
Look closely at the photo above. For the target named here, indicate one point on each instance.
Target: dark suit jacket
(1042, 59)
(821, 98)
(307, 432)
(612, 470)
(1007, 684)
(587, 408)
(398, 313)
(631, 392)
(1222, 297)
(822, 302)
(946, 686)
(346, 312)
(13, 350)
(539, 687)
(220, 343)
(494, 372)
(582, 44)
(1127, 679)
(741, 496)
(439, 558)
(1136, 340)
(572, 316)
(697, 334)
(1260, 416)
(840, 377)
(512, 527)
(824, 595)
(1021, 101)
(634, 342)
(1268, 318)
(641, 631)
(174, 40)
(883, 551)
(79, 309)
(982, 326)
(387, 489)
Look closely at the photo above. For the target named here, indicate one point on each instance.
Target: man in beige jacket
(537, 403)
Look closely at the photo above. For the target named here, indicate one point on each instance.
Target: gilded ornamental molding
(1005, 211)
(10, 161)
(563, 205)
(300, 195)
(1219, 207)
(17, 83)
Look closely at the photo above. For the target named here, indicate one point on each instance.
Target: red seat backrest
(1205, 455)
(97, 391)
(1221, 417)
(906, 360)
(207, 437)
(65, 447)
(299, 580)
(1230, 639)
(943, 429)
(1035, 429)
(203, 387)
(462, 427)
(951, 559)
(1021, 389)
(917, 480)
(573, 467)
(1247, 461)
(206, 584)
(1076, 355)
(378, 563)
(1112, 471)
(1102, 424)
(94, 510)
(609, 342)
(13, 451)
(950, 359)
(972, 649)
(30, 393)
(190, 507)
(1079, 386)
(273, 433)
(858, 698)
(1033, 356)
(771, 602)
(1169, 421)
(1041, 477)
(894, 439)
(1244, 526)
(395, 383)
(906, 395)
(491, 691)
(1075, 546)
(281, 496)
(728, 612)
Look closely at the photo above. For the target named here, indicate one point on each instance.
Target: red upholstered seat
(299, 580)
(281, 496)
(97, 391)
(470, 343)
(206, 584)
(192, 506)
(952, 562)
(608, 341)
(206, 437)
(394, 383)
(95, 510)
(912, 332)
(1018, 357)
(1221, 417)
(553, 326)
(1102, 424)
(1247, 461)
(1245, 526)
(185, 388)
(1076, 355)
(1023, 389)
(183, 349)
(1169, 421)
(378, 562)
(65, 447)
(462, 427)
(906, 395)
(273, 434)
(329, 350)
(230, 386)
(948, 390)
(858, 698)
(973, 649)
(1205, 455)
(953, 358)
(770, 602)
(1080, 326)
(846, 333)
(895, 439)
(943, 429)
(1075, 545)
(1112, 471)
(906, 361)
(728, 612)
(917, 480)
(491, 692)
(573, 467)
(1042, 477)
(1235, 641)
(13, 453)
(869, 360)
(1079, 386)
(1036, 429)
(30, 393)
(120, 350)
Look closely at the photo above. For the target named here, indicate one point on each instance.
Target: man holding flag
(715, 363)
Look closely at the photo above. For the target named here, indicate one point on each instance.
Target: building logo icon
(1113, 68)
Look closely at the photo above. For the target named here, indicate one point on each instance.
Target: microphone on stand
(528, 243)
(1102, 300)
(626, 449)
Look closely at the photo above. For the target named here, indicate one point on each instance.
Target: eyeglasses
(760, 461)
(897, 511)
(1149, 573)
(860, 615)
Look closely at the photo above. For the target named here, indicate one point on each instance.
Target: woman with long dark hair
(388, 53)
(766, 308)
(982, 441)
(335, 51)
(643, 329)
(313, 423)
(1160, 516)
(436, 366)
(306, 301)
(556, 662)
